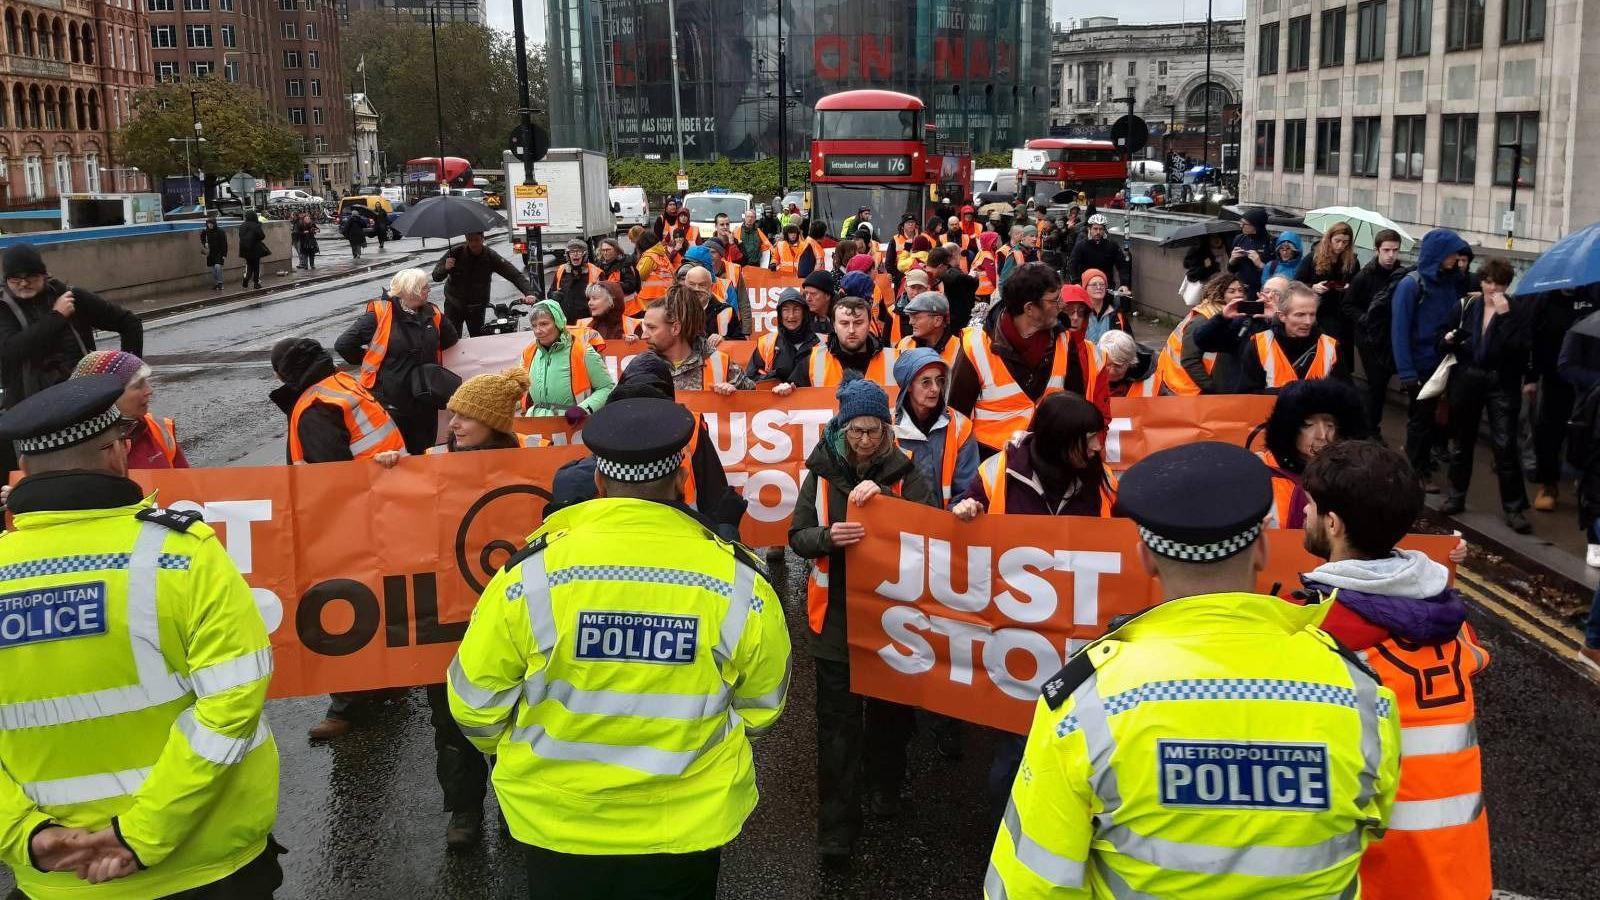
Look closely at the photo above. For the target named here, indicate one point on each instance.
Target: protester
(820, 292)
(1186, 368)
(851, 348)
(1104, 313)
(1555, 315)
(956, 285)
(1396, 610)
(1127, 369)
(721, 319)
(1491, 343)
(1329, 270)
(786, 252)
(1307, 417)
(811, 258)
(466, 270)
(675, 328)
(152, 442)
(861, 741)
(355, 231)
(1424, 308)
(572, 279)
(47, 326)
(1250, 250)
(655, 270)
(986, 268)
(778, 351)
(1201, 263)
(615, 266)
(1286, 258)
(929, 317)
(668, 219)
(252, 248)
(395, 340)
(1274, 347)
(1024, 250)
(1024, 346)
(214, 244)
(566, 376)
(1096, 251)
(303, 235)
(900, 247)
(843, 252)
(852, 224)
(1373, 285)
(605, 302)
(938, 439)
(380, 224)
(753, 242)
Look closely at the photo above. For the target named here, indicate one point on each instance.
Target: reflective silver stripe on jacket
(219, 748)
(477, 697)
(1262, 860)
(649, 760)
(1057, 870)
(1447, 812)
(214, 679)
(685, 707)
(731, 631)
(1095, 722)
(1366, 688)
(1428, 740)
(378, 344)
(85, 788)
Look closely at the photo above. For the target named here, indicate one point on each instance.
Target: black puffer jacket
(44, 347)
(467, 284)
(412, 341)
(302, 363)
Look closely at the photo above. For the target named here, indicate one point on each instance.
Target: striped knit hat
(127, 367)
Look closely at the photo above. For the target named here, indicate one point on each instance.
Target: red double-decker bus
(1056, 170)
(423, 174)
(868, 149)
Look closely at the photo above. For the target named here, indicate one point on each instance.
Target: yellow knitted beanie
(491, 399)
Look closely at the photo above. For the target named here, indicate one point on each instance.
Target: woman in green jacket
(563, 379)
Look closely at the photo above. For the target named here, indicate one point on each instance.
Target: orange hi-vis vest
(817, 580)
(788, 256)
(1175, 379)
(958, 253)
(593, 273)
(724, 320)
(986, 283)
(585, 327)
(1282, 492)
(578, 375)
(1003, 409)
(165, 435)
(690, 495)
(368, 423)
(1148, 387)
(714, 369)
(826, 372)
(378, 346)
(1280, 370)
(1437, 845)
(738, 238)
(992, 472)
(957, 430)
(767, 350)
(952, 348)
(883, 302)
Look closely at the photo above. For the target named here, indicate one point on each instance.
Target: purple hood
(1406, 594)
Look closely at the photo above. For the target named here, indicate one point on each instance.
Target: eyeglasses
(863, 433)
(23, 279)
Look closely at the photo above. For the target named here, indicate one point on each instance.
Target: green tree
(241, 132)
(477, 80)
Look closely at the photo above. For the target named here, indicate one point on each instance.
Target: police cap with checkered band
(1202, 502)
(63, 415)
(638, 439)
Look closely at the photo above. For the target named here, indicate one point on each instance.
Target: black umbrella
(1201, 230)
(446, 216)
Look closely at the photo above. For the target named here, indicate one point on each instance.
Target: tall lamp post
(677, 102)
(187, 170)
(194, 111)
(1205, 150)
(438, 95)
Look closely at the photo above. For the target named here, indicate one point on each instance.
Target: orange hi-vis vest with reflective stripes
(714, 369)
(788, 256)
(986, 282)
(593, 273)
(1147, 387)
(992, 472)
(378, 346)
(165, 435)
(1175, 378)
(690, 495)
(1437, 845)
(825, 370)
(1280, 370)
(957, 430)
(368, 423)
(952, 348)
(1282, 492)
(1003, 408)
(817, 580)
(578, 374)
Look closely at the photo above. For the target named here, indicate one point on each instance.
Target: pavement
(362, 816)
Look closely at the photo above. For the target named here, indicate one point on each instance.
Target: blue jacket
(1277, 266)
(1424, 308)
(927, 449)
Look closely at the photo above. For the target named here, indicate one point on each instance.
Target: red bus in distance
(869, 150)
(1056, 170)
(422, 175)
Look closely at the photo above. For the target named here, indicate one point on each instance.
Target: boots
(1546, 500)
(464, 831)
(328, 729)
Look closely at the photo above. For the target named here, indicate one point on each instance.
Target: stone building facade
(70, 70)
(1407, 107)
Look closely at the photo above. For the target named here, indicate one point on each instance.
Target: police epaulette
(177, 520)
(1058, 687)
(748, 557)
(1351, 657)
(534, 547)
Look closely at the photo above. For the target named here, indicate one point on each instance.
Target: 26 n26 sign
(530, 205)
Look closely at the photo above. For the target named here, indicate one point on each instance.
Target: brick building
(71, 69)
(287, 50)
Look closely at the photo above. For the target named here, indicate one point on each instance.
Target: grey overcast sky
(1126, 10)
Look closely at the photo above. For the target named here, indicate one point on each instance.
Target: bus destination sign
(863, 166)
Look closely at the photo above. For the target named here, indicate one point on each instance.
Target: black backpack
(1376, 324)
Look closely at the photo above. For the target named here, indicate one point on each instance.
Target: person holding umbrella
(466, 270)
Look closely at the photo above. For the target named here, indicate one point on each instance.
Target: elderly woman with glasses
(858, 738)
(153, 442)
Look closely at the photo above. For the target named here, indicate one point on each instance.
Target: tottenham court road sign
(530, 206)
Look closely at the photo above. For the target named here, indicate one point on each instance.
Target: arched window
(1194, 106)
(43, 26)
(19, 106)
(81, 108)
(88, 45)
(5, 117)
(67, 122)
(13, 34)
(27, 34)
(51, 117)
(72, 41)
(94, 111)
(59, 35)
(35, 107)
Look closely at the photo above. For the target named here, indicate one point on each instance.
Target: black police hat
(1201, 502)
(638, 440)
(63, 415)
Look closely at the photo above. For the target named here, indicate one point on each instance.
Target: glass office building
(982, 66)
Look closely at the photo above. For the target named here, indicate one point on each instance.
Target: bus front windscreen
(868, 125)
(889, 203)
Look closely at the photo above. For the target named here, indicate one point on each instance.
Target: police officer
(618, 667)
(133, 668)
(1217, 744)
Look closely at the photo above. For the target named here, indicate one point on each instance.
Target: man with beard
(851, 348)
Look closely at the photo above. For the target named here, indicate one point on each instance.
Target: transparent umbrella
(1364, 222)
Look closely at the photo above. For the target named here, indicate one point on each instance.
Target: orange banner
(1142, 425)
(969, 619)
(367, 576)
(761, 289)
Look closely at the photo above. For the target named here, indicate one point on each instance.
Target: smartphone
(1336, 285)
(1252, 307)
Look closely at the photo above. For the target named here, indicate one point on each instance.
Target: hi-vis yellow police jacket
(133, 669)
(1217, 746)
(636, 652)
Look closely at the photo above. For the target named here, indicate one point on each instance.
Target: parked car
(472, 193)
(292, 195)
(367, 204)
(630, 206)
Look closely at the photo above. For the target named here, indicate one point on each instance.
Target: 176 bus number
(840, 164)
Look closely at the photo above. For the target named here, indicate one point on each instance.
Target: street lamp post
(187, 170)
(783, 111)
(1516, 175)
(1205, 151)
(677, 101)
(194, 111)
(438, 95)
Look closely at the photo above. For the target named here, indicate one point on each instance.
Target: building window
(1267, 49)
(297, 115)
(294, 87)
(316, 115)
(225, 5)
(287, 5)
(311, 31)
(1299, 44)
(158, 5)
(63, 174)
(1464, 25)
(199, 35)
(313, 59)
(1416, 27)
(288, 30)
(1266, 144)
(166, 71)
(230, 37)
(1371, 22)
(1410, 145)
(322, 168)
(1161, 67)
(1133, 67)
(1524, 21)
(316, 87)
(201, 69)
(1509, 128)
(196, 5)
(321, 144)
(163, 36)
(291, 59)
(91, 170)
(1458, 149)
(1294, 145)
(1332, 38)
(33, 176)
(1365, 146)
(230, 71)
(1328, 134)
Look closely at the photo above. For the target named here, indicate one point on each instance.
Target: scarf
(1031, 349)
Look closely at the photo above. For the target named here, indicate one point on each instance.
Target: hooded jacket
(550, 375)
(1405, 596)
(43, 348)
(1277, 265)
(789, 349)
(413, 341)
(1424, 308)
(1261, 242)
(925, 440)
(301, 363)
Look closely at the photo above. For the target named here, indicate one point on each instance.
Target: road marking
(1531, 622)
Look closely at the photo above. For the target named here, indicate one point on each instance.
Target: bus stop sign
(1130, 134)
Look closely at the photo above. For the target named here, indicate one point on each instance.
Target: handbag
(1440, 379)
(433, 385)
(1190, 291)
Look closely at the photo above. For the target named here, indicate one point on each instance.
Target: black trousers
(1475, 393)
(652, 876)
(1556, 399)
(257, 880)
(418, 427)
(468, 316)
(1379, 370)
(252, 271)
(861, 749)
(1422, 432)
(462, 769)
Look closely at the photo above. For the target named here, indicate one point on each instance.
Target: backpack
(1376, 324)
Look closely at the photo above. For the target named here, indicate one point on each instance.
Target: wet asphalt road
(362, 817)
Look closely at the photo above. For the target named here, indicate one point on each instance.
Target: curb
(198, 303)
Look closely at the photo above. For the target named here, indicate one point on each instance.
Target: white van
(630, 206)
(994, 181)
